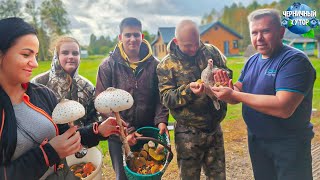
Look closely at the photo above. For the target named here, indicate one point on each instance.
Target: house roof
(167, 33)
(205, 28)
(295, 38)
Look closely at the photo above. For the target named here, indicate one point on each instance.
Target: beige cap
(113, 100)
(67, 111)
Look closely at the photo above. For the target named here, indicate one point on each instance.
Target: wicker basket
(149, 133)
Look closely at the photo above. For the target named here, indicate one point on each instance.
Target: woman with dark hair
(31, 145)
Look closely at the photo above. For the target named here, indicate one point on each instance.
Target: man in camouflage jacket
(198, 135)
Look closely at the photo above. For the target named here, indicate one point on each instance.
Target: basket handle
(169, 155)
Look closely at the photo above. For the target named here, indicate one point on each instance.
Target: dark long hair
(10, 30)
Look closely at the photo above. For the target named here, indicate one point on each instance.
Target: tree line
(235, 16)
(50, 18)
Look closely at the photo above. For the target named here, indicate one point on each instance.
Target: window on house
(235, 44)
(163, 48)
(207, 42)
(155, 50)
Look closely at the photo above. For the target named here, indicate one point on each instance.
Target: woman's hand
(110, 126)
(67, 143)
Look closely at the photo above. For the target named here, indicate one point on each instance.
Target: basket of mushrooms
(150, 157)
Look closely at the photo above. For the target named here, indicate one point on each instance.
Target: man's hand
(131, 138)
(67, 143)
(223, 93)
(163, 129)
(221, 77)
(197, 88)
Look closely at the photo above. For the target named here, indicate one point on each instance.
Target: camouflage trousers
(196, 150)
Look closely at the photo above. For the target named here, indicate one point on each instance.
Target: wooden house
(307, 45)
(216, 33)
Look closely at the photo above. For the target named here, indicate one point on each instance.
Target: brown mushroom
(144, 154)
(139, 162)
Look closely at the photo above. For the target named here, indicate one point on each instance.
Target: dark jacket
(31, 165)
(142, 84)
(176, 71)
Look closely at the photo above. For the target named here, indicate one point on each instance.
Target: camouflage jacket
(175, 72)
(141, 83)
(76, 88)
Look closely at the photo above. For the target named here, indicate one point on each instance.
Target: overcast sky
(102, 17)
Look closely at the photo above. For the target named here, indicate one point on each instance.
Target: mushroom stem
(122, 135)
(159, 149)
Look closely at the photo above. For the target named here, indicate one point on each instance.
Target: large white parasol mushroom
(115, 100)
(67, 111)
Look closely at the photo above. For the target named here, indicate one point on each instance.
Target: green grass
(316, 89)
(89, 67)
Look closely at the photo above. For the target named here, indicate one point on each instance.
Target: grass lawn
(89, 68)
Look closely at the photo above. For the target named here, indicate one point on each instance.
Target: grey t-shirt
(32, 128)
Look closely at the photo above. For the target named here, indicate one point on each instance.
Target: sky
(102, 17)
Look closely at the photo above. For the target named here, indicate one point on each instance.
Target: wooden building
(307, 45)
(214, 33)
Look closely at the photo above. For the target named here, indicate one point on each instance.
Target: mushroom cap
(154, 155)
(113, 100)
(67, 111)
(151, 144)
(139, 162)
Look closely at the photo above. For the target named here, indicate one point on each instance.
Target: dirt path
(238, 165)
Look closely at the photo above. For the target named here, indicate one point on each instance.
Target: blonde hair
(64, 39)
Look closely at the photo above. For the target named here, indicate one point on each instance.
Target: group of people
(275, 88)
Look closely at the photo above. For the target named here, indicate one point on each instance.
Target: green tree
(10, 8)
(147, 36)
(33, 12)
(103, 45)
(54, 17)
(91, 48)
(211, 17)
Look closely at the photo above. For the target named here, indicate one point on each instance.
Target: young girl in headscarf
(65, 81)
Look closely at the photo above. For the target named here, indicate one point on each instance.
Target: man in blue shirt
(276, 89)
